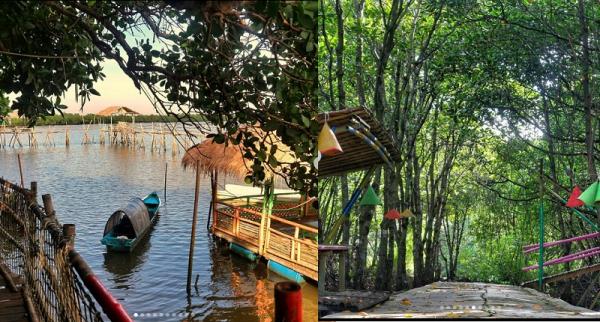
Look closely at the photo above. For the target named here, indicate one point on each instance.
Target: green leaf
(216, 29)
(273, 162)
(272, 8)
(219, 138)
(309, 46)
(305, 121)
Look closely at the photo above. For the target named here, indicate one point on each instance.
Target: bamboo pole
(541, 247)
(165, 187)
(193, 235)
(213, 202)
(21, 170)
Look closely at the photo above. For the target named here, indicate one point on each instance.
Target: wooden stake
(48, 205)
(69, 233)
(21, 170)
(212, 211)
(193, 236)
(165, 187)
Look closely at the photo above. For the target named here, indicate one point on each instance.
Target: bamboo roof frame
(357, 154)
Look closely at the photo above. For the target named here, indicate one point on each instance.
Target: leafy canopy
(233, 63)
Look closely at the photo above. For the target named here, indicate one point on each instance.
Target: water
(89, 182)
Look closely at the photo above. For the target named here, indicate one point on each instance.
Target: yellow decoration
(327, 142)
(406, 213)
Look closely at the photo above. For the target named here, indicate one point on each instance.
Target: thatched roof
(357, 154)
(229, 159)
(216, 157)
(117, 110)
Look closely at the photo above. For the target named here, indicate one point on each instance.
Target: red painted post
(288, 302)
(111, 307)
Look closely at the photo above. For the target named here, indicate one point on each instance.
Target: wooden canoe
(128, 225)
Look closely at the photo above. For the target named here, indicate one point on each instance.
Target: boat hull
(120, 244)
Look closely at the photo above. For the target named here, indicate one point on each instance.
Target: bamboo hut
(365, 145)
(259, 222)
(364, 141)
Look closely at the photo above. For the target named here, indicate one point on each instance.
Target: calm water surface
(89, 182)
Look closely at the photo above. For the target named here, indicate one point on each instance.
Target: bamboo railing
(287, 242)
(56, 281)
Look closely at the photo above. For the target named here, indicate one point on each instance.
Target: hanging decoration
(327, 142)
(393, 214)
(370, 198)
(591, 195)
(406, 213)
(317, 159)
(574, 202)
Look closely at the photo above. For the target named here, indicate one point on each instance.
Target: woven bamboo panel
(280, 246)
(225, 222)
(309, 255)
(249, 231)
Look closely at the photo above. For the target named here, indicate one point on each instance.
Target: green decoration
(370, 198)
(591, 195)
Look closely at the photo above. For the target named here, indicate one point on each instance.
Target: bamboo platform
(12, 303)
(270, 236)
(470, 301)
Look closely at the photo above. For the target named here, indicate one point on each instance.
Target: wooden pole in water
(213, 184)
(48, 205)
(21, 170)
(193, 236)
(165, 187)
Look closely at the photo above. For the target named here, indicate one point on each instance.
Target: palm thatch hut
(210, 157)
(276, 225)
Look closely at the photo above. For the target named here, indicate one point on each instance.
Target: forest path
(470, 300)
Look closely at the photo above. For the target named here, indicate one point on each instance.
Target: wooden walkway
(12, 304)
(470, 300)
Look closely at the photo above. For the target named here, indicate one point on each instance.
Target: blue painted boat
(128, 225)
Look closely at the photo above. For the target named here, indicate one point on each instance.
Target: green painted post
(541, 256)
(541, 219)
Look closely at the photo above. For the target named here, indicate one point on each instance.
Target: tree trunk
(587, 96)
(359, 9)
(384, 54)
(364, 226)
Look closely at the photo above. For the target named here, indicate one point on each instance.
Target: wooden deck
(285, 241)
(12, 304)
(470, 300)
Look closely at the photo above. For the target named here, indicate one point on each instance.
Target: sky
(116, 89)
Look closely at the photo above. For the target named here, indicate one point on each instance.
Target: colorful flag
(370, 198)
(573, 201)
(591, 195)
(392, 214)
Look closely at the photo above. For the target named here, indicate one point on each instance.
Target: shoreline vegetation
(77, 119)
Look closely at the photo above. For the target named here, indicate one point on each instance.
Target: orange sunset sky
(116, 89)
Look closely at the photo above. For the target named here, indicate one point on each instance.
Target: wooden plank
(456, 300)
(353, 301)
